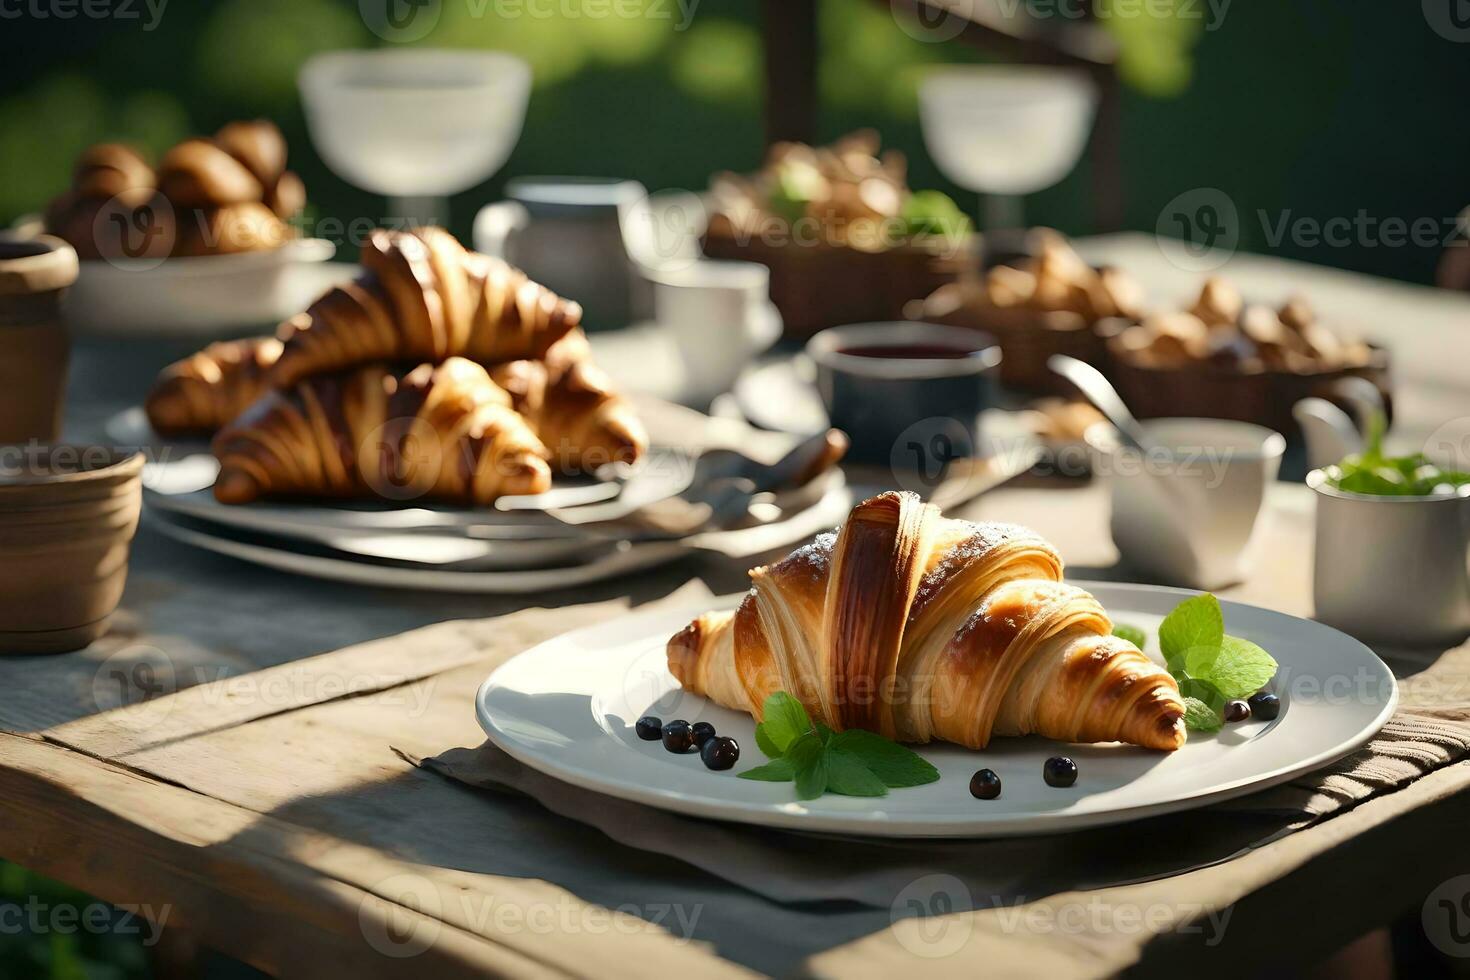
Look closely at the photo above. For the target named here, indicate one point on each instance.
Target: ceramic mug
(34, 275)
(1392, 568)
(908, 395)
(1186, 512)
(720, 316)
(566, 233)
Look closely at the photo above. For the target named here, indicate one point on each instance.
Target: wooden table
(276, 818)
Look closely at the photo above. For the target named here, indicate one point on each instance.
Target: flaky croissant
(919, 627)
(573, 407)
(208, 389)
(444, 432)
(424, 297)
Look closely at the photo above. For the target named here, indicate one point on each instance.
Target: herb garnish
(1211, 666)
(1370, 472)
(819, 760)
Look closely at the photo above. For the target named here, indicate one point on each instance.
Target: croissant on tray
(920, 627)
(425, 297)
(208, 389)
(573, 407)
(441, 432)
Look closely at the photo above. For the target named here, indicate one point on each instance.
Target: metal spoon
(1104, 397)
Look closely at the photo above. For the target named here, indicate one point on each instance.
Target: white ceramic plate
(567, 708)
(201, 295)
(618, 558)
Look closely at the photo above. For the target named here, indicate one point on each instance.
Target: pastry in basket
(919, 628)
(216, 196)
(847, 192)
(444, 433)
(573, 407)
(424, 297)
(1222, 331)
(207, 390)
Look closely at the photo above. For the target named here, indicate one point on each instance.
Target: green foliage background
(1313, 107)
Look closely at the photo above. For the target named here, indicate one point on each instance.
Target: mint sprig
(819, 760)
(1132, 634)
(1211, 666)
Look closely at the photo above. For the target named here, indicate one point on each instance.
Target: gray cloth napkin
(798, 868)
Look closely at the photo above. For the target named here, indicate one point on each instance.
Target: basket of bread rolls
(203, 239)
(1050, 303)
(1226, 358)
(845, 238)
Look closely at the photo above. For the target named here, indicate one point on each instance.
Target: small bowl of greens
(1393, 547)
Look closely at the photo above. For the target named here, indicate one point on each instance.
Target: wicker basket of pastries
(1051, 303)
(1225, 358)
(224, 195)
(845, 238)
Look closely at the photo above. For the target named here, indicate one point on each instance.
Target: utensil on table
(1395, 569)
(1185, 511)
(1104, 397)
(725, 486)
(34, 275)
(909, 395)
(67, 518)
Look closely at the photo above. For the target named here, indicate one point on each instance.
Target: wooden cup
(34, 273)
(67, 518)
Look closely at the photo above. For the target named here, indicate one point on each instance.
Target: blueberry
(1059, 771)
(720, 752)
(985, 785)
(678, 736)
(703, 732)
(1237, 711)
(649, 728)
(1265, 705)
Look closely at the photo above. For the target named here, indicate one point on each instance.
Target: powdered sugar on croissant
(920, 627)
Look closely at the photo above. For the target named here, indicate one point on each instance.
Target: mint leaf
(895, 765)
(824, 732)
(1193, 630)
(1202, 691)
(808, 757)
(1132, 634)
(775, 771)
(785, 720)
(1200, 717)
(1241, 669)
(847, 775)
(765, 744)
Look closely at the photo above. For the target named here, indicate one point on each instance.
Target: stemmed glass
(1006, 130)
(416, 125)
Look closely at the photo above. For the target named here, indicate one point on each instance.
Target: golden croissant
(444, 432)
(208, 389)
(573, 407)
(424, 297)
(919, 627)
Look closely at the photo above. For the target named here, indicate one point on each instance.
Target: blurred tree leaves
(720, 61)
(251, 50)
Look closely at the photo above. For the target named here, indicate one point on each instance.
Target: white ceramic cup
(720, 316)
(1186, 512)
(1394, 569)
